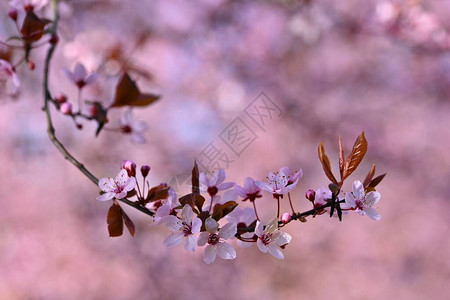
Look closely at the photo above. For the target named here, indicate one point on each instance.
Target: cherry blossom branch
(50, 128)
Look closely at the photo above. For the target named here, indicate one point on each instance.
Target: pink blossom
(281, 182)
(28, 5)
(129, 166)
(215, 238)
(271, 238)
(164, 207)
(250, 191)
(243, 217)
(79, 76)
(9, 78)
(186, 227)
(117, 188)
(361, 202)
(216, 183)
(135, 128)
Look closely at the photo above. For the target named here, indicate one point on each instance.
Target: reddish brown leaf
(193, 200)
(228, 207)
(355, 157)
(217, 212)
(158, 192)
(341, 158)
(376, 181)
(114, 220)
(326, 164)
(369, 176)
(128, 94)
(195, 179)
(129, 223)
(32, 27)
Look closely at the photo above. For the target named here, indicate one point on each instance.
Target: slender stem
(278, 206)
(80, 102)
(254, 207)
(290, 203)
(210, 207)
(51, 129)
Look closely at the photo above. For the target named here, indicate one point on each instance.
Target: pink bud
(61, 98)
(66, 108)
(144, 170)
(12, 13)
(285, 218)
(310, 195)
(93, 111)
(31, 65)
(129, 166)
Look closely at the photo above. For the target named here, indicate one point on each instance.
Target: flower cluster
(218, 223)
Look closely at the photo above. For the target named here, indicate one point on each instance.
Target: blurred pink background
(333, 67)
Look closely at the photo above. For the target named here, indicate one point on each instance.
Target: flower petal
(79, 73)
(173, 239)
(358, 190)
(202, 238)
(372, 198)
(275, 251)
(225, 186)
(228, 231)
(107, 184)
(106, 196)
(242, 192)
(226, 251)
(122, 178)
(372, 213)
(186, 214)
(259, 230)
(173, 223)
(130, 184)
(91, 78)
(264, 186)
(189, 243)
(204, 179)
(211, 225)
(263, 248)
(350, 200)
(218, 177)
(209, 256)
(230, 195)
(282, 238)
(196, 225)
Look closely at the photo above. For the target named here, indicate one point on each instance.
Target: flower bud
(31, 65)
(12, 13)
(129, 166)
(310, 195)
(66, 108)
(144, 170)
(93, 111)
(60, 99)
(285, 218)
(54, 39)
(79, 126)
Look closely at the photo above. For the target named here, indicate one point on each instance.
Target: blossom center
(213, 239)
(118, 189)
(266, 238)
(126, 129)
(186, 229)
(212, 190)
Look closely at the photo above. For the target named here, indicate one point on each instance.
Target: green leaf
(114, 220)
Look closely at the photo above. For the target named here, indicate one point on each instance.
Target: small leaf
(193, 200)
(129, 223)
(114, 220)
(158, 192)
(128, 94)
(341, 158)
(32, 27)
(228, 207)
(195, 179)
(376, 181)
(369, 176)
(326, 164)
(355, 157)
(217, 212)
